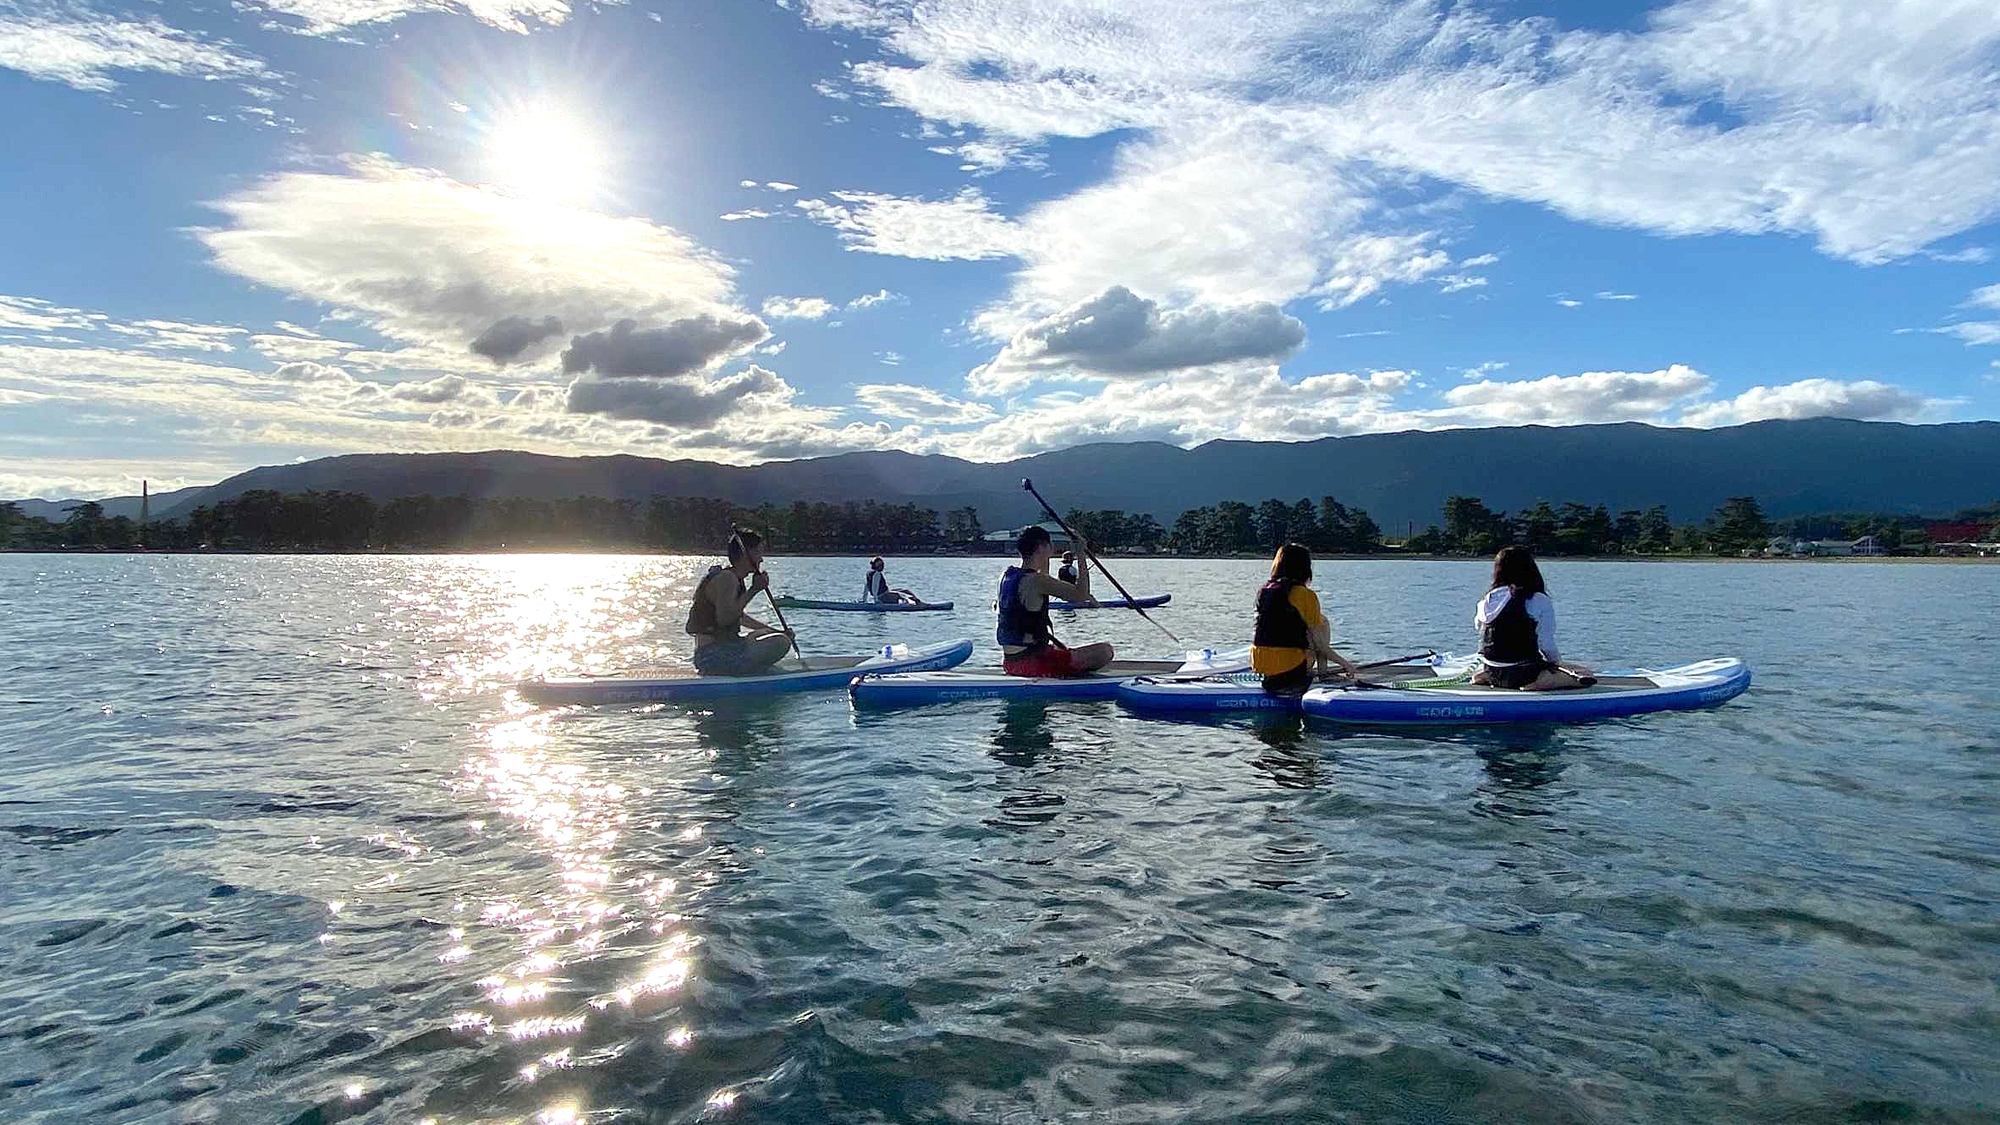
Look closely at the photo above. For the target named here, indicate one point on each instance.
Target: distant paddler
(875, 588)
(1028, 646)
(717, 622)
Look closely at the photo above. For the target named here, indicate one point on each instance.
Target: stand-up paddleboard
(1450, 699)
(788, 602)
(812, 673)
(1114, 603)
(915, 689)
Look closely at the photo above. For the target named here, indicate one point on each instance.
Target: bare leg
(767, 650)
(1089, 658)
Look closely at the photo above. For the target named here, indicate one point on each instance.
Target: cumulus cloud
(444, 388)
(306, 371)
(1120, 334)
(677, 403)
(797, 308)
(507, 338)
(680, 348)
(1565, 400)
(82, 48)
(920, 404)
(1815, 398)
(431, 262)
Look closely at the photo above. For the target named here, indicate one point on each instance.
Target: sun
(545, 153)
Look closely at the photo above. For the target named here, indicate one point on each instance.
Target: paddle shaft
(1393, 661)
(1092, 556)
(781, 622)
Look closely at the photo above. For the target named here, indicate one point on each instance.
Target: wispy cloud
(84, 48)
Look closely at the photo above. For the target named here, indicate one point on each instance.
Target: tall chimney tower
(145, 509)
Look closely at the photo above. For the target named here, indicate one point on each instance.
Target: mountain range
(1799, 467)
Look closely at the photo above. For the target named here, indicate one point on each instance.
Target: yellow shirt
(1270, 660)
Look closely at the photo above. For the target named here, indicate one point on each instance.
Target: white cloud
(1117, 333)
(82, 48)
(37, 315)
(797, 308)
(746, 213)
(1712, 116)
(444, 388)
(1566, 400)
(1483, 370)
(434, 263)
(961, 227)
(1480, 260)
(880, 296)
(1458, 282)
(1816, 398)
(890, 359)
(329, 17)
(1977, 255)
(920, 404)
(746, 183)
(1608, 295)
(1567, 303)
(780, 185)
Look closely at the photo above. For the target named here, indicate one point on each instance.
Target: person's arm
(1542, 608)
(1052, 587)
(1320, 631)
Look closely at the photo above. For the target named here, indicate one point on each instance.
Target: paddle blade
(1027, 485)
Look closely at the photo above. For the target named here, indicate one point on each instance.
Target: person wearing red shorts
(1027, 646)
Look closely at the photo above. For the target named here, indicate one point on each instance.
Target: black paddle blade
(1027, 485)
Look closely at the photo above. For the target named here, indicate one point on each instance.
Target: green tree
(1274, 523)
(1739, 526)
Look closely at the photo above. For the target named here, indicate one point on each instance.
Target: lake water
(276, 845)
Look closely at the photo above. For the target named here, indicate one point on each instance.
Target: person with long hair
(1516, 620)
(875, 587)
(716, 619)
(1293, 641)
(1028, 647)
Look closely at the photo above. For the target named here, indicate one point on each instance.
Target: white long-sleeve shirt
(1541, 610)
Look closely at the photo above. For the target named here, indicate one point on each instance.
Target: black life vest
(1509, 636)
(876, 586)
(1067, 573)
(1279, 623)
(1019, 625)
(703, 618)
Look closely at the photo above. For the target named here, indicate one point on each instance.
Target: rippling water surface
(277, 845)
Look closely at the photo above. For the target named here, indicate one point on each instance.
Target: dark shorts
(1294, 682)
(1047, 662)
(1517, 675)
(727, 658)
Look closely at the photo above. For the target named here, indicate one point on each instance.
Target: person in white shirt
(1517, 630)
(875, 588)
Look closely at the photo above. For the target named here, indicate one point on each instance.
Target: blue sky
(249, 233)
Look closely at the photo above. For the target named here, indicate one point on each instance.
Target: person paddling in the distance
(717, 622)
(1027, 645)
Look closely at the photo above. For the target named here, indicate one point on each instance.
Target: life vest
(1067, 573)
(1019, 625)
(1509, 636)
(1279, 623)
(703, 618)
(875, 586)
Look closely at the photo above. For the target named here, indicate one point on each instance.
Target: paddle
(1029, 486)
(781, 622)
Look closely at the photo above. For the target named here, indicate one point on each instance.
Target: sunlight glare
(541, 152)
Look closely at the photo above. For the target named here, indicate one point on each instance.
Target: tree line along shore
(349, 522)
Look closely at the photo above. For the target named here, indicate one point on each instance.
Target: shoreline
(1382, 556)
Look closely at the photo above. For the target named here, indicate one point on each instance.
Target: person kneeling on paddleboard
(875, 588)
(1027, 646)
(1293, 641)
(1517, 630)
(716, 619)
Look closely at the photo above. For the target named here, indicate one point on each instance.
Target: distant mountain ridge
(1791, 467)
(56, 511)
